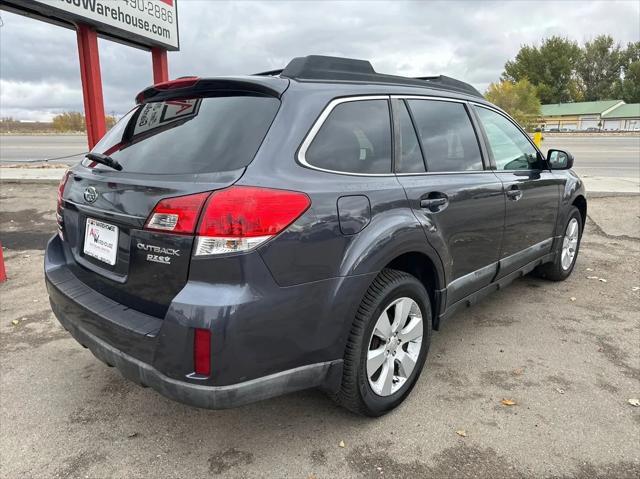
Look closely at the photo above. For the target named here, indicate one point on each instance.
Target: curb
(40, 181)
(610, 194)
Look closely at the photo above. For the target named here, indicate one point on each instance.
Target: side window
(355, 138)
(448, 139)
(408, 153)
(510, 147)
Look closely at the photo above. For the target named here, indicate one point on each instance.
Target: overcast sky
(39, 72)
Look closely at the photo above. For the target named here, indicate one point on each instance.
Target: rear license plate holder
(101, 241)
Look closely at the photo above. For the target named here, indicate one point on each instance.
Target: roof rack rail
(269, 73)
(450, 83)
(319, 67)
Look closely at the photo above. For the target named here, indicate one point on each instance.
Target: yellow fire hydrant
(537, 137)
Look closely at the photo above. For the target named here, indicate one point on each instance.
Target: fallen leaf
(600, 349)
(560, 390)
(461, 433)
(518, 371)
(15, 321)
(508, 402)
(341, 444)
(634, 402)
(602, 280)
(573, 298)
(592, 277)
(132, 434)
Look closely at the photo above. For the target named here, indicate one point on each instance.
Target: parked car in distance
(233, 239)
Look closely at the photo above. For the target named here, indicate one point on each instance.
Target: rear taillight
(177, 215)
(202, 352)
(60, 207)
(240, 218)
(235, 219)
(61, 186)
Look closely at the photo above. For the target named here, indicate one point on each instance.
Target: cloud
(467, 40)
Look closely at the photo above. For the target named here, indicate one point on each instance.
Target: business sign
(147, 23)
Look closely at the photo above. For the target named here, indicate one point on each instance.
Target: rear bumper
(157, 352)
(210, 397)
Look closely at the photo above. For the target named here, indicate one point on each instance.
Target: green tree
(69, 121)
(519, 99)
(110, 120)
(550, 68)
(627, 86)
(599, 68)
(75, 121)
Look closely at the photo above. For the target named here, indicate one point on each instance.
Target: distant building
(625, 117)
(576, 116)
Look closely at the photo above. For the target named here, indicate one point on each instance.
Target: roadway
(606, 156)
(617, 156)
(35, 148)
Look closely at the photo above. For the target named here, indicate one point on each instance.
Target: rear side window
(448, 139)
(190, 135)
(355, 138)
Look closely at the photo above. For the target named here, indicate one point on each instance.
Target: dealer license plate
(101, 241)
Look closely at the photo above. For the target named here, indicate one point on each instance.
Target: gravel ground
(570, 365)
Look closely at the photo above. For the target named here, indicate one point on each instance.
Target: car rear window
(355, 138)
(199, 135)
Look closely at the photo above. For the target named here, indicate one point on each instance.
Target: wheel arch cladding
(424, 269)
(580, 202)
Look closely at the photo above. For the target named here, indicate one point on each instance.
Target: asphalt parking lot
(567, 354)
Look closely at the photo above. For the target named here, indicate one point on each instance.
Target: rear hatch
(172, 146)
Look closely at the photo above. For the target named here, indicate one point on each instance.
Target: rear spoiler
(196, 87)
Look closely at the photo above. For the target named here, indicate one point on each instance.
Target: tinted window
(409, 159)
(510, 147)
(190, 136)
(448, 139)
(355, 138)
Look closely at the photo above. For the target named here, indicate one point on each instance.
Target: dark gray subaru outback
(233, 239)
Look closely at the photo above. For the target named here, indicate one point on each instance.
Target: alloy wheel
(394, 346)
(570, 244)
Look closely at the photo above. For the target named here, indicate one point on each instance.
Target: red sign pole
(91, 83)
(160, 65)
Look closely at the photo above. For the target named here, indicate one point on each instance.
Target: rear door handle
(514, 193)
(434, 204)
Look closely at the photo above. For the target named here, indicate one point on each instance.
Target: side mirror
(560, 160)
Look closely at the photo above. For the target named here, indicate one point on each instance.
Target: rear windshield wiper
(104, 160)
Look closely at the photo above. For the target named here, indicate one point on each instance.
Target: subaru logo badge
(90, 194)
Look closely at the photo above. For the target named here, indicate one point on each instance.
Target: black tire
(355, 393)
(554, 271)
